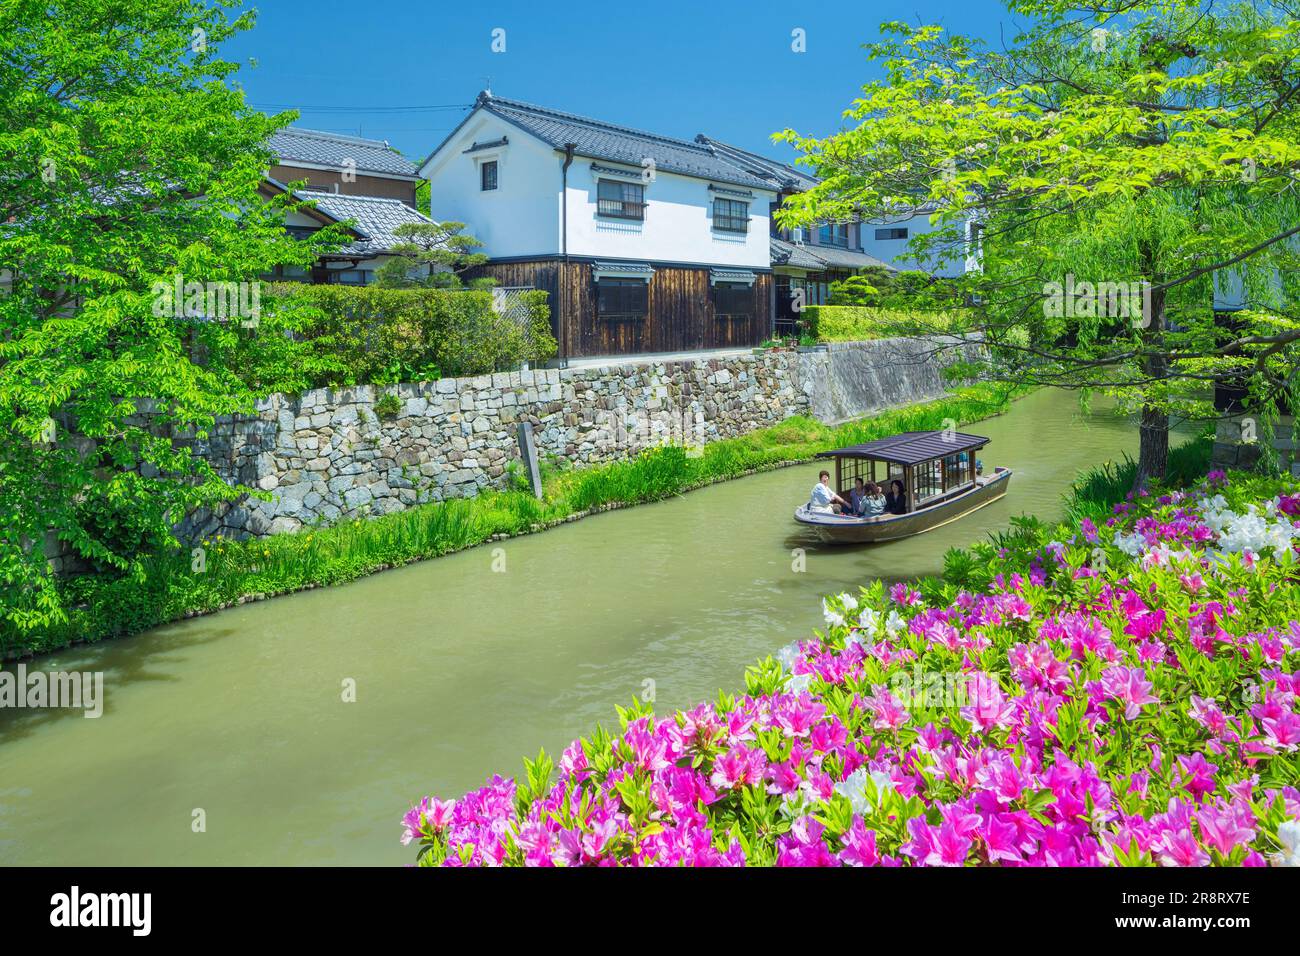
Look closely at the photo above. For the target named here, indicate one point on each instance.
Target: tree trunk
(1153, 433)
(1153, 447)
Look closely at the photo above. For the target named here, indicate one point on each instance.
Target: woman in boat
(823, 499)
(896, 500)
(874, 504)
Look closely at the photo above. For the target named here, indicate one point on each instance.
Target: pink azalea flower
(1130, 687)
(738, 767)
(859, 845)
(889, 711)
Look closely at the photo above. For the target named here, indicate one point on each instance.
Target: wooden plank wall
(681, 314)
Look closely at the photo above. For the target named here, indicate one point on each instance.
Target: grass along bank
(223, 573)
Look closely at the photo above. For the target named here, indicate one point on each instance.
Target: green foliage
(856, 290)
(911, 290)
(431, 254)
(1094, 493)
(850, 323)
(389, 406)
(313, 336)
(129, 160)
(1149, 147)
(166, 587)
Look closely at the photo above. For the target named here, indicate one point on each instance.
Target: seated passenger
(857, 497)
(873, 505)
(896, 500)
(823, 500)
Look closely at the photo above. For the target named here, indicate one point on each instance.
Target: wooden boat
(941, 480)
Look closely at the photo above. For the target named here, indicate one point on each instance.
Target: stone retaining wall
(1238, 443)
(846, 380)
(327, 455)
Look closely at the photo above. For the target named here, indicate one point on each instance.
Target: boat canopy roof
(911, 448)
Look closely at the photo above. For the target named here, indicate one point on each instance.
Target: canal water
(460, 665)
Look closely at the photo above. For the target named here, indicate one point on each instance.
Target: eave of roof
(789, 176)
(597, 139)
(911, 448)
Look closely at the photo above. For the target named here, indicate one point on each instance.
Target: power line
(360, 109)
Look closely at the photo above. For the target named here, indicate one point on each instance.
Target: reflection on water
(459, 671)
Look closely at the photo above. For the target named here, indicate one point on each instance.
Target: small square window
(487, 175)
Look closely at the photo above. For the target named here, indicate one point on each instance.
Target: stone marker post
(528, 452)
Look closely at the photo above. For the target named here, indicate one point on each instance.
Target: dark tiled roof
(621, 144)
(789, 177)
(798, 256)
(794, 255)
(331, 149)
(910, 448)
(375, 217)
(846, 258)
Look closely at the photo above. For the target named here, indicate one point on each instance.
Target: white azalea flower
(796, 803)
(869, 620)
(855, 788)
(894, 624)
(833, 617)
(1288, 832)
(798, 683)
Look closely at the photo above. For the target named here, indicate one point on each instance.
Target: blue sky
(406, 71)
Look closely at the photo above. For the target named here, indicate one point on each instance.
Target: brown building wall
(680, 316)
(362, 186)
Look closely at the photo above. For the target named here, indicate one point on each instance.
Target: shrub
(388, 406)
(850, 323)
(1120, 695)
(312, 336)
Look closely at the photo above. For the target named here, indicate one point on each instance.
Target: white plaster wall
(678, 224)
(897, 253)
(521, 217)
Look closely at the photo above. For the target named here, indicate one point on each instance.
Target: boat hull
(841, 529)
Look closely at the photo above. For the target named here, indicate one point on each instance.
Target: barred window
(622, 299)
(730, 215)
(488, 175)
(621, 200)
(733, 300)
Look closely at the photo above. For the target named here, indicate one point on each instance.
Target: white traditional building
(645, 243)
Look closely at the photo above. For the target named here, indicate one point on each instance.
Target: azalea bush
(1122, 691)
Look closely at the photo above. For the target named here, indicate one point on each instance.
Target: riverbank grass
(219, 573)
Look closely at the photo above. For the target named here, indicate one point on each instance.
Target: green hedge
(312, 336)
(860, 323)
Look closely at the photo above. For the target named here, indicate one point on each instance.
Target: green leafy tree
(432, 254)
(130, 164)
(856, 290)
(1115, 163)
